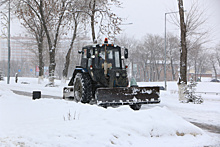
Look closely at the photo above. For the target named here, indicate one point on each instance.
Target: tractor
(102, 79)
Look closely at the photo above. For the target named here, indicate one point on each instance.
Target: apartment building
(24, 55)
(21, 48)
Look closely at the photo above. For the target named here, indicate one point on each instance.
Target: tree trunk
(39, 38)
(183, 54)
(183, 51)
(172, 68)
(154, 72)
(145, 72)
(52, 67)
(216, 75)
(158, 73)
(51, 49)
(93, 21)
(218, 59)
(66, 65)
(41, 63)
(195, 66)
(144, 75)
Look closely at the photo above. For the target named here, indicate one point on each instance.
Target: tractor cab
(96, 56)
(105, 64)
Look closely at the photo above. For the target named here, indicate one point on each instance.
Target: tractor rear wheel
(82, 88)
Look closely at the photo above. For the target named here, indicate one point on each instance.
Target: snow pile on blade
(50, 122)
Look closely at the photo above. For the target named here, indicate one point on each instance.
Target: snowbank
(57, 122)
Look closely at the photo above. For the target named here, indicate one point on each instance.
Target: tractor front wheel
(135, 106)
(82, 88)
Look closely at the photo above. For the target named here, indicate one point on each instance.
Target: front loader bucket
(127, 95)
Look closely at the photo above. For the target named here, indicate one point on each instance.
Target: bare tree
(31, 22)
(49, 14)
(183, 53)
(142, 57)
(151, 54)
(75, 16)
(202, 64)
(99, 12)
(193, 23)
(132, 45)
(173, 52)
(195, 59)
(146, 56)
(58, 8)
(213, 61)
(196, 35)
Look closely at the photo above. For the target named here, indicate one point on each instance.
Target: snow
(56, 122)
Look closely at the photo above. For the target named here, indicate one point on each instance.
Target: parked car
(162, 88)
(214, 80)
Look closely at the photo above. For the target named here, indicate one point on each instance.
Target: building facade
(21, 55)
(21, 48)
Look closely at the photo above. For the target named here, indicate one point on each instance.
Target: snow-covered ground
(57, 122)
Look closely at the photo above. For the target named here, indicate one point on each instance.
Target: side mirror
(88, 54)
(80, 52)
(126, 53)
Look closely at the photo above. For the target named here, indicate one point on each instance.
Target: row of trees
(52, 19)
(149, 54)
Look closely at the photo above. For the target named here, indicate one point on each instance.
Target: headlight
(117, 74)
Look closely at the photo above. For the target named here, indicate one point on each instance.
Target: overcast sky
(147, 16)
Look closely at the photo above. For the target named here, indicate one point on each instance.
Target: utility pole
(165, 51)
(9, 50)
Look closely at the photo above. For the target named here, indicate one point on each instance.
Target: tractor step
(68, 92)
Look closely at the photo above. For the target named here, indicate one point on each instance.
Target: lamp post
(165, 55)
(130, 23)
(9, 50)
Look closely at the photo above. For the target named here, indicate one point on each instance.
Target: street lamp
(165, 55)
(9, 51)
(130, 23)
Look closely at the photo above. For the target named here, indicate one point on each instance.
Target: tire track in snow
(210, 128)
(30, 94)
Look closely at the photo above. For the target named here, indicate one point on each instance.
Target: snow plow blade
(127, 96)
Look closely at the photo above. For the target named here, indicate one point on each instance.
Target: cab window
(117, 61)
(84, 53)
(110, 55)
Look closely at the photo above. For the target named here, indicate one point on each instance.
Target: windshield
(113, 57)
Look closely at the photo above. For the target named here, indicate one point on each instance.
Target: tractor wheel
(135, 106)
(82, 88)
